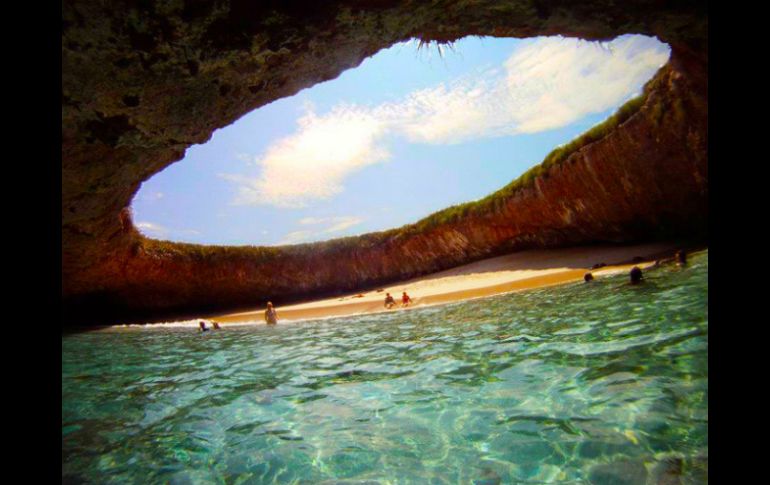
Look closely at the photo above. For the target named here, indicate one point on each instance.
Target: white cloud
(547, 83)
(312, 163)
(338, 224)
(152, 229)
(343, 224)
(295, 237)
(562, 80)
(333, 224)
(313, 220)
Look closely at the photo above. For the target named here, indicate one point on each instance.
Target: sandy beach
(519, 271)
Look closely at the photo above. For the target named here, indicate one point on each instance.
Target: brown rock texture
(143, 80)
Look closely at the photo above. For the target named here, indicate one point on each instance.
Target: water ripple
(572, 384)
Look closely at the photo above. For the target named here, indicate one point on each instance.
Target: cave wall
(143, 80)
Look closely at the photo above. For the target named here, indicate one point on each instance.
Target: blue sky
(405, 134)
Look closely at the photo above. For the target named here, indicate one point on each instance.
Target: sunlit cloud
(295, 237)
(329, 225)
(312, 163)
(152, 229)
(337, 223)
(546, 83)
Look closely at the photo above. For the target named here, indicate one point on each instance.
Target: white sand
(521, 270)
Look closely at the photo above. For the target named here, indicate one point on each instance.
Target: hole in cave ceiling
(409, 132)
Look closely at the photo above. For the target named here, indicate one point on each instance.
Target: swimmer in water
(216, 325)
(588, 277)
(635, 275)
(202, 326)
(271, 316)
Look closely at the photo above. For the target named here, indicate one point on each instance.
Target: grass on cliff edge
(489, 204)
(496, 200)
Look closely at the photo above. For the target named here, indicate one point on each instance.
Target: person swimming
(635, 275)
(588, 277)
(271, 316)
(216, 325)
(405, 300)
(389, 301)
(202, 326)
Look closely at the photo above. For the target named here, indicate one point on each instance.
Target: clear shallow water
(600, 383)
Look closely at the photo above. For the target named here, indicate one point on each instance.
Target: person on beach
(588, 277)
(681, 258)
(202, 326)
(635, 275)
(389, 301)
(216, 325)
(271, 317)
(405, 300)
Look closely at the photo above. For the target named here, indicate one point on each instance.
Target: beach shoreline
(502, 274)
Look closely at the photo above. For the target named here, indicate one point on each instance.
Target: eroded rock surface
(143, 80)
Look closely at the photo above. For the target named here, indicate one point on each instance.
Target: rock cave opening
(410, 132)
(144, 81)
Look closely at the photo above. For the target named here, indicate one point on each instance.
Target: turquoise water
(601, 383)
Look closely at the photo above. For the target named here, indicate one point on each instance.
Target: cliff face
(144, 80)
